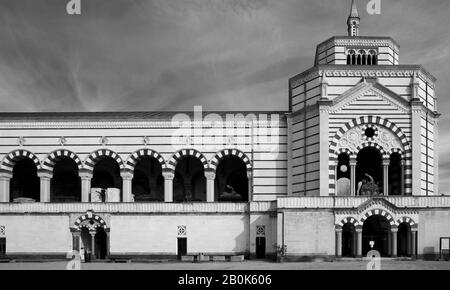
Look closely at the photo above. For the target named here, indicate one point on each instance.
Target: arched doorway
(106, 176)
(376, 229)
(348, 240)
(404, 240)
(189, 181)
(231, 183)
(395, 174)
(25, 181)
(148, 182)
(65, 184)
(369, 166)
(100, 244)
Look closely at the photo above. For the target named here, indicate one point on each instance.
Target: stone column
(5, 179)
(92, 244)
(339, 242)
(359, 241)
(402, 180)
(416, 108)
(413, 242)
(386, 163)
(85, 186)
(353, 163)
(250, 184)
(45, 178)
(168, 185)
(210, 178)
(394, 241)
(127, 178)
(76, 240)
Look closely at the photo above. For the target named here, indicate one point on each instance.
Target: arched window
(373, 57)
(363, 55)
(351, 57)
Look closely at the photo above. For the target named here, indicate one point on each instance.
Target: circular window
(369, 132)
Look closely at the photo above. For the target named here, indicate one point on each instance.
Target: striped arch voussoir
(11, 159)
(97, 221)
(379, 212)
(348, 220)
(134, 158)
(52, 158)
(187, 153)
(370, 120)
(406, 220)
(373, 145)
(230, 152)
(95, 156)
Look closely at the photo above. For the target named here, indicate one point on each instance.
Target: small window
(2, 247)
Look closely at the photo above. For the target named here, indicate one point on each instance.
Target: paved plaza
(229, 266)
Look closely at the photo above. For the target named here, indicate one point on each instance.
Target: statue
(368, 187)
(230, 195)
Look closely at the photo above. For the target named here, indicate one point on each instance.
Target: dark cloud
(174, 54)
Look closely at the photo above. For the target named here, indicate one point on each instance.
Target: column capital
(210, 175)
(338, 230)
(249, 174)
(85, 175)
(126, 175)
(75, 231)
(394, 230)
(45, 174)
(358, 229)
(5, 175)
(168, 175)
(386, 162)
(92, 233)
(353, 162)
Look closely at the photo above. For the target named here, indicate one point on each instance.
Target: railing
(216, 207)
(354, 202)
(219, 207)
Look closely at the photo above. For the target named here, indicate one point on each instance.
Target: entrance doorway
(260, 247)
(348, 240)
(100, 244)
(376, 229)
(182, 247)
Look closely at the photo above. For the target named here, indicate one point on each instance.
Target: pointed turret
(353, 20)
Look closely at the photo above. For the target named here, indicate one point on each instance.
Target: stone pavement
(247, 265)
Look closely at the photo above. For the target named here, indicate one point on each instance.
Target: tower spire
(353, 20)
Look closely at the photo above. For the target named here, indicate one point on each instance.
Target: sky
(169, 55)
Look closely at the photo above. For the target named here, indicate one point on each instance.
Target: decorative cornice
(387, 71)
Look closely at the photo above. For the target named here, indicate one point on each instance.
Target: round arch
(230, 152)
(10, 160)
(370, 120)
(379, 212)
(52, 158)
(92, 159)
(348, 220)
(135, 156)
(187, 153)
(89, 220)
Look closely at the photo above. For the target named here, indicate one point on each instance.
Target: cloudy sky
(153, 55)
